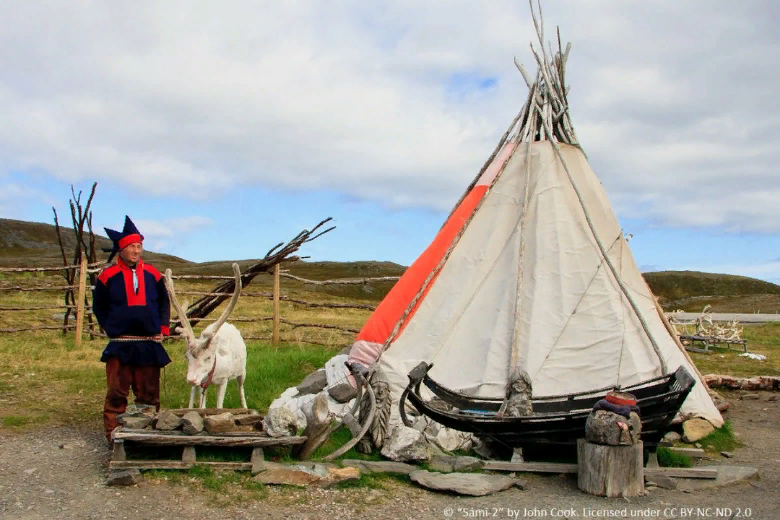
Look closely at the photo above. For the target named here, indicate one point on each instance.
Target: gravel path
(60, 473)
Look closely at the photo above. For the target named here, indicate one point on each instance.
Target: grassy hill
(35, 244)
(692, 290)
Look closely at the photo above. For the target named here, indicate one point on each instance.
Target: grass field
(45, 380)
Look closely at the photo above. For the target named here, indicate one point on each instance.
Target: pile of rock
(191, 422)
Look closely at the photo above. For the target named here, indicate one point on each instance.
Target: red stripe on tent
(383, 320)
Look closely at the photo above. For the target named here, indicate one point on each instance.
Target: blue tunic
(123, 311)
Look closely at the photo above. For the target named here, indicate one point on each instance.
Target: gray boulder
(406, 444)
(379, 466)
(342, 392)
(167, 421)
(124, 477)
(192, 423)
(314, 383)
(135, 423)
(474, 484)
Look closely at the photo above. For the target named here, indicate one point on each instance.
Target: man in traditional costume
(131, 304)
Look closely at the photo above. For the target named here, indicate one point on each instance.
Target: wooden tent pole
(275, 336)
(81, 296)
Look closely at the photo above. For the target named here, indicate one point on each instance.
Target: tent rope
(618, 278)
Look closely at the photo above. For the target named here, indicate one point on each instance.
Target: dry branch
(38, 327)
(39, 269)
(44, 308)
(343, 281)
(43, 288)
(278, 254)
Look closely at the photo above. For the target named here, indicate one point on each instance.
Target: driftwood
(280, 253)
(610, 471)
(317, 426)
(743, 383)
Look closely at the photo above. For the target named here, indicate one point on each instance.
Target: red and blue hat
(129, 235)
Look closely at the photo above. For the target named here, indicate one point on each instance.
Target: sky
(225, 128)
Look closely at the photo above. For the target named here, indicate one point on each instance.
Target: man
(131, 304)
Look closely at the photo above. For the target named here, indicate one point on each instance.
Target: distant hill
(35, 244)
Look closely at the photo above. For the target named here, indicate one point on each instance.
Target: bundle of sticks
(281, 252)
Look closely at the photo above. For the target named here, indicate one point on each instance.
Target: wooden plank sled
(558, 467)
(151, 438)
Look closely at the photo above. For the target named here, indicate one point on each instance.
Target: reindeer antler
(179, 310)
(232, 303)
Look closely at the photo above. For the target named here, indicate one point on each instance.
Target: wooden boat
(557, 419)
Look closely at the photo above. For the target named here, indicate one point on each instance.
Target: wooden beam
(197, 440)
(277, 290)
(558, 467)
(81, 297)
(177, 464)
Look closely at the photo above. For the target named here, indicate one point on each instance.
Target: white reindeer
(219, 355)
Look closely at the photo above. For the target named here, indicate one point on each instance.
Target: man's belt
(128, 339)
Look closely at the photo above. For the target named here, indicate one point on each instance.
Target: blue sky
(223, 130)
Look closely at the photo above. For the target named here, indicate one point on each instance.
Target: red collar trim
(133, 299)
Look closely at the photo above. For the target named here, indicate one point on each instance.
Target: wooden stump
(317, 425)
(610, 471)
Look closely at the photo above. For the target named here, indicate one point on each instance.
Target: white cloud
(171, 227)
(674, 102)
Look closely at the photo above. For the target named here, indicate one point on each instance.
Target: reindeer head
(201, 352)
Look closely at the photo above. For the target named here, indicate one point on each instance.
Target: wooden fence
(275, 296)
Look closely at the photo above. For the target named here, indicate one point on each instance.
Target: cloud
(172, 227)
(395, 102)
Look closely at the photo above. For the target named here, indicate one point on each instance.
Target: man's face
(132, 253)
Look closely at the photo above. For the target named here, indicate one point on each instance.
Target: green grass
(722, 439)
(762, 339)
(671, 459)
(222, 488)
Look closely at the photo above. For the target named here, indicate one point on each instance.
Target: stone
(251, 418)
(30, 471)
(379, 466)
(485, 448)
(167, 421)
(342, 392)
(772, 398)
(727, 475)
(304, 474)
(670, 439)
(695, 429)
(338, 475)
(219, 423)
(698, 445)
(136, 423)
(314, 383)
(447, 464)
(192, 423)
(474, 484)
(727, 454)
(280, 422)
(750, 397)
(124, 477)
(664, 482)
(406, 444)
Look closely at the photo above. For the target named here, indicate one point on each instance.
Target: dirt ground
(39, 479)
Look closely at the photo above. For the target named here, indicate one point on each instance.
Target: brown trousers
(145, 382)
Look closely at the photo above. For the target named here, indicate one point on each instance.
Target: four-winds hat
(129, 235)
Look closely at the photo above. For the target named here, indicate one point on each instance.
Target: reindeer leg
(202, 395)
(192, 397)
(221, 394)
(240, 382)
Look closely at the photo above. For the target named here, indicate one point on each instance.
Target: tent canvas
(530, 269)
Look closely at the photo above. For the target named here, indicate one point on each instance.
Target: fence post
(275, 337)
(80, 299)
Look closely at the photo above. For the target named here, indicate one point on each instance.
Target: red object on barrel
(621, 398)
